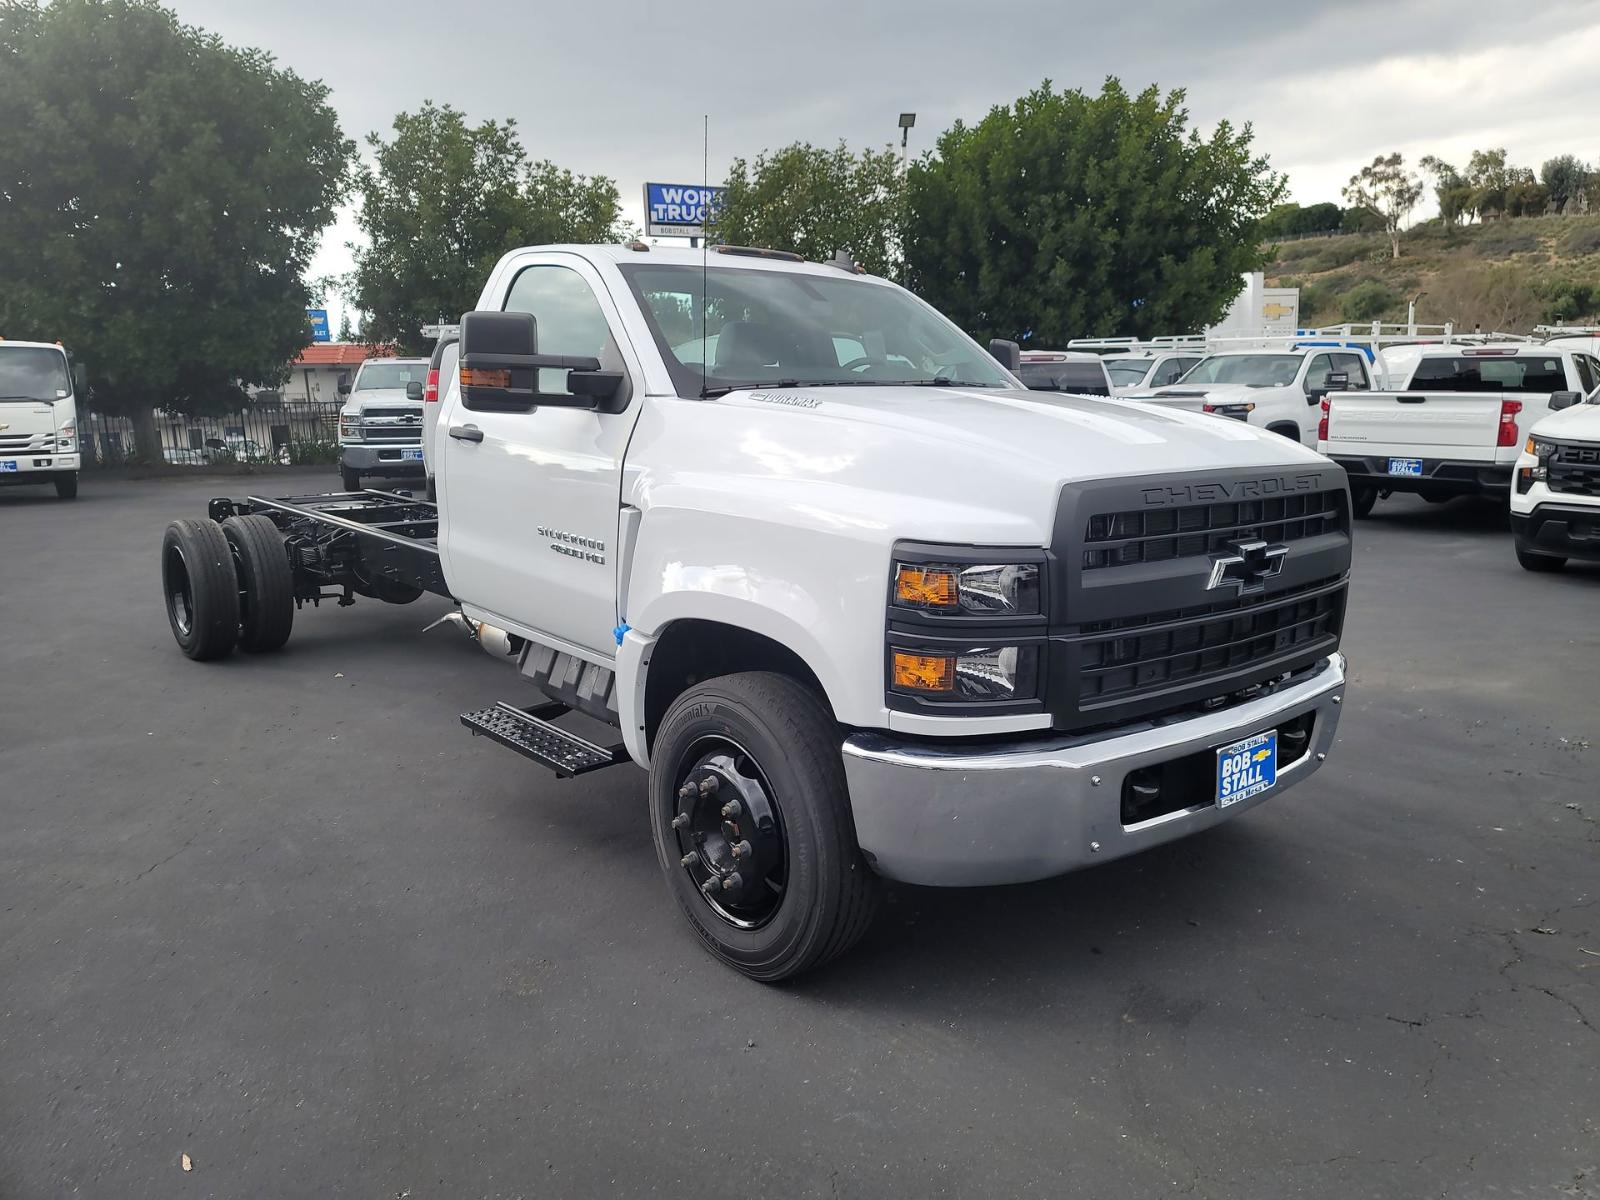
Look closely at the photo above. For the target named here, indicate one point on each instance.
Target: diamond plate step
(533, 737)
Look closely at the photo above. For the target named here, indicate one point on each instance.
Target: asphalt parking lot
(284, 916)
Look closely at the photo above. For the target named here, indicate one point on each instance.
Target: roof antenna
(705, 240)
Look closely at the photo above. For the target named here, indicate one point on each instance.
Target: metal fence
(291, 433)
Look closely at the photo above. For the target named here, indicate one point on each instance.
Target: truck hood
(1580, 423)
(1210, 393)
(380, 398)
(951, 464)
(22, 418)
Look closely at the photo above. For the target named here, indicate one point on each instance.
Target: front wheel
(66, 485)
(752, 824)
(1542, 563)
(1362, 498)
(350, 479)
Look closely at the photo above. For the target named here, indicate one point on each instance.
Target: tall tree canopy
(1384, 187)
(444, 202)
(1068, 215)
(161, 195)
(817, 202)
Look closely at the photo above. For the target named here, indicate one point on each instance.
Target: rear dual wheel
(266, 582)
(752, 825)
(227, 585)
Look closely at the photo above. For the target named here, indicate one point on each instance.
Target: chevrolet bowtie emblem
(1247, 567)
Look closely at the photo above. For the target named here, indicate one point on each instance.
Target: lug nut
(709, 785)
(686, 792)
(730, 810)
(730, 831)
(689, 859)
(679, 821)
(711, 886)
(735, 880)
(742, 849)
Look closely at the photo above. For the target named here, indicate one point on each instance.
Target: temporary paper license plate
(1405, 466)
(8, 464)
(1247, 768)
(410, 455)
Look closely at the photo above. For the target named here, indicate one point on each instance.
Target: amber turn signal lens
(482, 378)
(924, 672)
(925, 587)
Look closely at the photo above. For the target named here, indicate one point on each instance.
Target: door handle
(1412, 399)
(466, 433)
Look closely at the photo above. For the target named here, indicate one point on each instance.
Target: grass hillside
(1505, 275)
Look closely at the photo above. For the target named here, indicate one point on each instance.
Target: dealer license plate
(1247, 768)
(8, 464)
(1405, 466)
(410, 455)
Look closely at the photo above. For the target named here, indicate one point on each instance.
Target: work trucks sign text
(679, 209)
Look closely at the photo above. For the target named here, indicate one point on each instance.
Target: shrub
(1502, 241)
(1368, 301)
(313, 453)
(1581, 241)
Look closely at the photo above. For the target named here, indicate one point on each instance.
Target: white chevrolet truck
(1555, 493)
(38, 416)
(860, 603)
(1457, 424)
(381, 422)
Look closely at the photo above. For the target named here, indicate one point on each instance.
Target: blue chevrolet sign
(319, 324)
(679, 209)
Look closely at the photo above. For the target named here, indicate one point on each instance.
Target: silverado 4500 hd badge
(574, 545)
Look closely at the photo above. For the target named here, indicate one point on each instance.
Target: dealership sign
(319, 324)
(680, 209)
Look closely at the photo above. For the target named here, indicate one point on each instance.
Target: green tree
(161, 195)
(1067, 215)
(444, 201)
(817, 202)
(1450, 189)
(1565, 178)
(1387, 189)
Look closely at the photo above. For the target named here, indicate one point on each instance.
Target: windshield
(1262, 370)
(390, 375)
(1126, 372)
(33, 373)
(785, 327)
(1081, 378)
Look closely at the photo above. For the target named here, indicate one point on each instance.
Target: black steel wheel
(752, 825)
(201, 588)
(266, 582)
(1362, 498)
(66, 485)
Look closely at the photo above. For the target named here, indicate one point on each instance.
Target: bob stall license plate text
(1406, 466)
(1247, 768)
(410, 455)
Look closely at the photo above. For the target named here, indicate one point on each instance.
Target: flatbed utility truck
(859, 602)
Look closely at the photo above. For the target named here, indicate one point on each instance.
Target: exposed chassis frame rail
(384, 545)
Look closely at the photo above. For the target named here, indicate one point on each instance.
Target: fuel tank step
(532, 736)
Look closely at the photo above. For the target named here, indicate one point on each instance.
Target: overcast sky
(619, 88)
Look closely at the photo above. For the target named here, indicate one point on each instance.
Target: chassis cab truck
(860, 603)
(38, 416)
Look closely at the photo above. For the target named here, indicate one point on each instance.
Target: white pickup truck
(1457, 425)
(39, 416)
(860, 603)
(1276, 388)
(1555, 494)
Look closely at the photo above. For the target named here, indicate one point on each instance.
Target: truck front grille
(1122, 538)
(1575, 470)
(1166, 649)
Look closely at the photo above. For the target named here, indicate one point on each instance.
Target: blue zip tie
(621, 631)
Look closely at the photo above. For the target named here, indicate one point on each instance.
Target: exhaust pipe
(494, 640)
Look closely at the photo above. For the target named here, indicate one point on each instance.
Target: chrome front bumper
(961, 816)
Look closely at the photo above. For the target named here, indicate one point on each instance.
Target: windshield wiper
(40, 399)
(712, 393)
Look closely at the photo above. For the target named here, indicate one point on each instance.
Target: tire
(266, 582)
(201, 589)
(1362, 498)
(1541, 563)
(433, 491)
(67, 485)
(1292, 432)
(784, 749)
(350, 479)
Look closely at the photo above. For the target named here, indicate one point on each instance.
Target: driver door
(530, 501)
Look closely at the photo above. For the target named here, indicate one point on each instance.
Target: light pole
(907, 120)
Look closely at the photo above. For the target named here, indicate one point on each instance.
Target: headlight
(350, 427)
(977, 674)
(981, 589)
(66, 435)
(1539, 447)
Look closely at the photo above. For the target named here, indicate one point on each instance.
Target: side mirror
(414, 390)
(344, 387)
(80, 379)
(1007, 354)
(500, 364)
(1560, 400)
